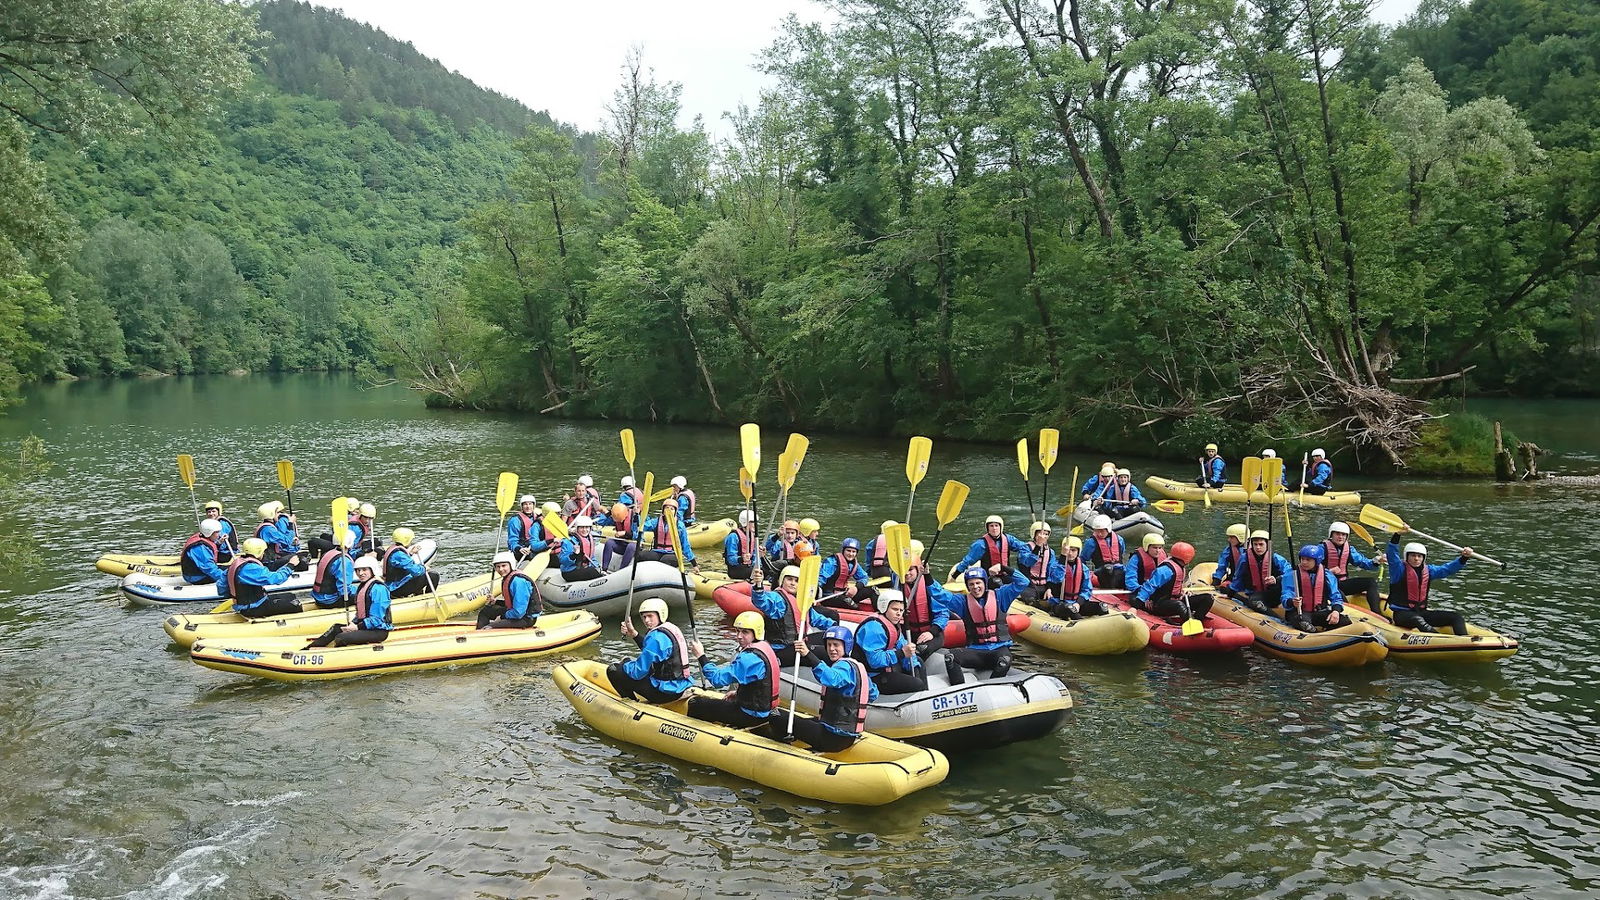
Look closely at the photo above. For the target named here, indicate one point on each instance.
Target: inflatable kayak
(407, 649)
(702, 535)
(1218, 635)
(608, 594)
(1235, 493)
(734, 598)
(1356, 644)
(983, 712)
(1410, 645)
(457, 598)
(1117, 632)
(705, 584)
(125, 564)
(871, 772)
(158, 590)
(1132, 528)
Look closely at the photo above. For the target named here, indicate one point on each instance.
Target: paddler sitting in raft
(401, 572)
(248, 579)
(739, 547)
(1123, 498)
(584, 500)
(1039, 563)
(984, 613)
(842, 580)
(1074, 588)
(228, 538)
(1264, 579)
(1320, 479)
(751, 676)
(846, 691)
(777, 613)
(577, 552)
(1231, 556)
(277, 530)
(1213, 469)
(517, 603)
(688, 503)
(660, 526)
(993, 551)
(660, 673)
(372, 618)
(1097, 485)
(334, 580)
(1142, 562)
(928, 607)
(891, 659)
(1317, 603)
(1340, 556)
(525, 530)
(198, 562)
(783, 548)
(1162, 593)
(1409, 580)
(876, 556)
(626, 515)
(1106, 550)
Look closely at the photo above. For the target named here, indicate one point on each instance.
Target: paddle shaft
(1473, 555)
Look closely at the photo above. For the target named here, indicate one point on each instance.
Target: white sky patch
(566, 57)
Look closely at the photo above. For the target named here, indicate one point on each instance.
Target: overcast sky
(566, 57)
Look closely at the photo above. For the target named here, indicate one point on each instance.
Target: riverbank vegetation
(1156, 223)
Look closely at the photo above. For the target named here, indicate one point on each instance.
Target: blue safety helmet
(841, 634)
(1314, 551)
(975, 572)
(850, 544)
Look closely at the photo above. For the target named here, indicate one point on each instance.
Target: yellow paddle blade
(672, 536)
(554, 527)
(649, 485)
(796, 452)
(1077, 530)
(1362, 533)
(747, 485)
(286, 474)
(225, 606)
(186, 468)
(1378, 517)
(1192, 627)
(1022, 458)
(628, 448)
(1208, 498)
(917, 455)
(505, 492)
(1049, 446)
(341, 521)
(535, 567)
(951, 499)
(783, 468)
(1250, 473)
(660, 495)
(1170, 506)
(897, 548)
(750, 448)
(810, 571)
(1272, 477)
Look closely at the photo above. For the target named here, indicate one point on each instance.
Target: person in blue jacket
(247, 581)
(1162, 593)
(1410, 581)
(1043, 568)
(1123, 498)
(752, 676)
(525, 536)
(333, 583)
(405, 576)
(1232, 554)
(994, 550)
(891, 658)
(1213, 469)
(984, 612)
(577, 552)
(1097, 485)
(1318, 603)
(846, 690)
(1340, 557)
(1264, 579)
(228, 538)
(1320, 477)
(371, 620)
(843, 580)
(740, 548)
(361, 536)
(660, 673)
(1072, 593)
(1142, 562)
(657, 526)
(517, 603)
(277, 530)
(777, 608)
(198, 561)
(928, 607)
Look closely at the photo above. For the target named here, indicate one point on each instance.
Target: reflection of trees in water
(16, 471)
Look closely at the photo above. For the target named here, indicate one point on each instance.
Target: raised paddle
(804, 596)
(505, 494)
(1271, 485)
(339, 515)
(750, 456)
(1049, 449)
(951, 499)
(1378, 517)
(286, 478)
(628, 448)
(660, 495)
(633, 570)
(678, 550)
(1362, 533)
(186, 472)
(789, 465)
(1250, 480)
(897, 549)
(1305, 458)
(554, 527)
(1022, 466)
(917, 454)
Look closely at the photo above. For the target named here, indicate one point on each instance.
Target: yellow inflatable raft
(1356, 644)
(1115, 632)
(124, 564)
(872, 772)
(285, 658)
(1410, 645)
(1234, 493)
(702, 535)
(458, 597)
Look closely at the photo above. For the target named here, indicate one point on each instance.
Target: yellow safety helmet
(1154, 540)
(1037, 527)
(214, 504)
(1072, 542)
(1238, 531)
(887, 524)
(253, 547)
(1258, 533)
(789, 572)
(751, 621)
(403, 536)
(550, 506)
(1108, 470)
(916, 548)
(808, 527)
(368, 511)
(1211, 446)
(269, 510)
(654, 605)
(351, 504)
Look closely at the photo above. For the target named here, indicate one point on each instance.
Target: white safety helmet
(368, 511)
(995, 520)
(627, 481)
(210, 527)
(789, 572)
(1268, 454)
(1415, 547)
(527, 498)
(1319, 452)
(583, 522)
(370, 563)
(1338, 528)
(746, 517)
(654, 605)
(1122, 472)
(504, 556)
(586, 481)
(1099, 522)
(680, 482)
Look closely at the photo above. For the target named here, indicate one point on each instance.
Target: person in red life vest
(751, 678)
(228, 538)
(1072, 593)
(198, 561)
(1340, 556)
(1043, 568)
(994, 551)
(1142, 562)
(1214, 470)
(1319, 480)
(578, 552)
(583, 501)
(739, 548)
(516, 603)
(372, 620)
(660, 673)
(928, 607)
(1162, 593)
(1410, 580)
(890, 656)
(811, 534)
(1264, 579)
(1317, 603)
(1122, 498)
(248, 579)
(405, 576)
(783, 548)
(659, 527)
(984, 613)
(626, 518)
(525, 536)
(1105, 553)
(333, 582)
(846, 690)
(1097, 485)
(842, 579)
(688, 503)
(1231, 556)
(875, 556)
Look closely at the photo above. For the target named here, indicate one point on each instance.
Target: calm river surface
(130, 772)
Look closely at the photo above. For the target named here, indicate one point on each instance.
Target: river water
(130, 772)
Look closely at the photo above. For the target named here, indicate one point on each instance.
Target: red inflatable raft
(1219, 636)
